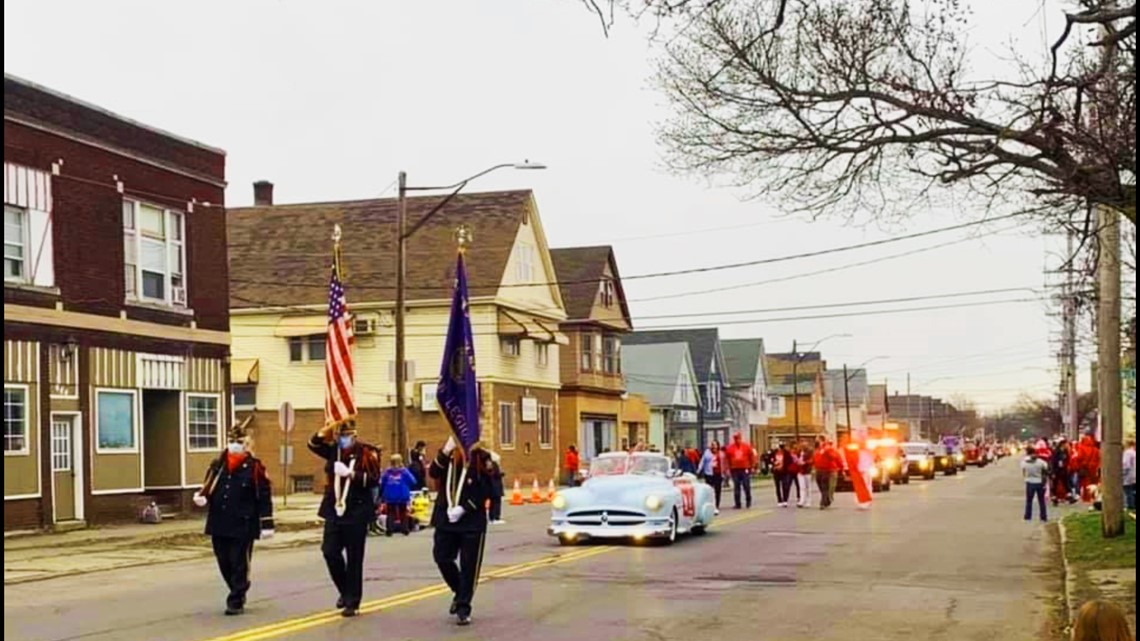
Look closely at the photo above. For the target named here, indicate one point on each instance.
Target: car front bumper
(647, 530)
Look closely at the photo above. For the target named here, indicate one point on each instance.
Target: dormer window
(607, 291)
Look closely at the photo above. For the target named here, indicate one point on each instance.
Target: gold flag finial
(463, 237)
(336, 235)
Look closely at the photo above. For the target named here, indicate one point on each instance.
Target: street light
(846, 392)
(796, 360)
(401, 269)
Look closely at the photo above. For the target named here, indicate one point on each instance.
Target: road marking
(300, 624)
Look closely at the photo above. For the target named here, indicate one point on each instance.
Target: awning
(555, 336)
(245, 371)
(509, 325)
(292, 326)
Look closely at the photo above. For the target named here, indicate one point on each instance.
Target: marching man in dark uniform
(240, 500)
(460, 519)
(352, 470)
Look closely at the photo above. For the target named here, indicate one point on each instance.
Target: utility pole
(1069, 345)
(847, 400)
(401, 286)
(796, 388)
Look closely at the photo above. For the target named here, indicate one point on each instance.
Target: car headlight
(926, 464)
(892, 463)
(558, 502)
(960, 457)
(653, 502)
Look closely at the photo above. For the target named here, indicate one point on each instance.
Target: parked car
(637, 496)
(919, 459)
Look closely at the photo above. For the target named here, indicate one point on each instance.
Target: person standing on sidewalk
(741, 462)
(1130, 475)
(417, 465)
(1036, 472)
(571, 465)
(460, 520)
(396, 492)
(353, 467)
(495, 512)
(240, 499)
(714, 465)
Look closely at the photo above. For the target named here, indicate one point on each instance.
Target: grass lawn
(1101, 568)
(1088, 550)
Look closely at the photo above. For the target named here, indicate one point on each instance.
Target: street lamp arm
(463, 183)
(458, 187)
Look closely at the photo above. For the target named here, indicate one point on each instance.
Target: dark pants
(784, 482)
(823, 480)
(717, 483)
(397, 518)
(233, 555)
(1130, 497)
(495, 513)
(343, 548)
(464, 576)
(741, 479)
(1035, 490)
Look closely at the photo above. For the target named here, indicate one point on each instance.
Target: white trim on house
(27, 450)
(186, 423)
(78, 469)
(136, 423)
(132, 490)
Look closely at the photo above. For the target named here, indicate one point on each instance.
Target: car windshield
(649, 465)
(916, 449)
(609, 466)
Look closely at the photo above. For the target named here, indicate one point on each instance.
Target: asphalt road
(949, 559)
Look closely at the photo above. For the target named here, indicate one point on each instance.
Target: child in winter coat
(396, 486)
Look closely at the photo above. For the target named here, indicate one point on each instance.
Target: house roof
(650, 370)
(702, 344)
(280, 255)
(579, 270)
(857, 389)
(742, 359)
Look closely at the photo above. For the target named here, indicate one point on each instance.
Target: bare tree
(830, 104)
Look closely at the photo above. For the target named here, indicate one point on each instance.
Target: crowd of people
(1061, 471)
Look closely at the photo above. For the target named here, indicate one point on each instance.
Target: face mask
(236, 448)
(345, 442)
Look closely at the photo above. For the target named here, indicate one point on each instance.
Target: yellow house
(280, 257)
(596, 413)
(796, 388)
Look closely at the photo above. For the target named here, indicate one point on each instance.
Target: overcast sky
(330, 100)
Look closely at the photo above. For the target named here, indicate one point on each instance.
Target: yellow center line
(326, 617)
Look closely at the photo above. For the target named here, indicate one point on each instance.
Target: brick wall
(24, 514)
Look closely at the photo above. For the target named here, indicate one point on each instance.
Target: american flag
(340, 401)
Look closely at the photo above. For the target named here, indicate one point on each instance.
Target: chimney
(262, 193)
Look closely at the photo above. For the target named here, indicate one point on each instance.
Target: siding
(205, 375)
(63, 373)
(21, 361)
(113, 368)
(542, 298)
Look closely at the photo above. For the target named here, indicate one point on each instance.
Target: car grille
(605, 517)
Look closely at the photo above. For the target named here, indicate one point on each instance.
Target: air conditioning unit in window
(178, 295)
(364, 325)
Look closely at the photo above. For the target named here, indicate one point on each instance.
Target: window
(507, 425)
(307, 348)
(712, 397)
(545, 426)
(611, 355)
(15, 243)
(510, 346)
(245, 396)
(776, 403)
(154, 257)
(587, 352)
(202, 425)
(302, 483)
(116, 421)
(607, 292)
(524, 262)
(542, 354)
(60, 446)
(15, 420)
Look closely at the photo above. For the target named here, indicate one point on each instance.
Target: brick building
(116, 323)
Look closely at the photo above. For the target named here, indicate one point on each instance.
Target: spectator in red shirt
(571, 466)
(828, 464)
(741, 462)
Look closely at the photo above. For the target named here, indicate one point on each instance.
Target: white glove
(496, 459)
(267, 534)
(449, 446)
(455, 513)
(200, 500)
(341, 470)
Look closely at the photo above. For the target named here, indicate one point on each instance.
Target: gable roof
(857, 389)
(651, 370)
(703, 345)
(280, 254)
(579, 270)
(742, 358)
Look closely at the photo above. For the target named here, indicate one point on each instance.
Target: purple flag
(458, 392)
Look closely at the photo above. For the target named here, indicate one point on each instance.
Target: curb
(1067, 572)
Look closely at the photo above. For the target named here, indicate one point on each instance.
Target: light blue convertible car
(637, 496)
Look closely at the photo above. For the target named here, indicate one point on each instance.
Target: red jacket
(740, 455)
(572, 461)
(827, 459)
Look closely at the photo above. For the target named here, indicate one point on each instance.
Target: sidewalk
(41, 556)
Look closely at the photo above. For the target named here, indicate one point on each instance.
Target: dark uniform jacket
(241, 503)
(359, 507)
(472, 496)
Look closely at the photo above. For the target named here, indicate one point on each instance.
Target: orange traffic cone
(535, 493)
(550, 491)
(516, 495)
